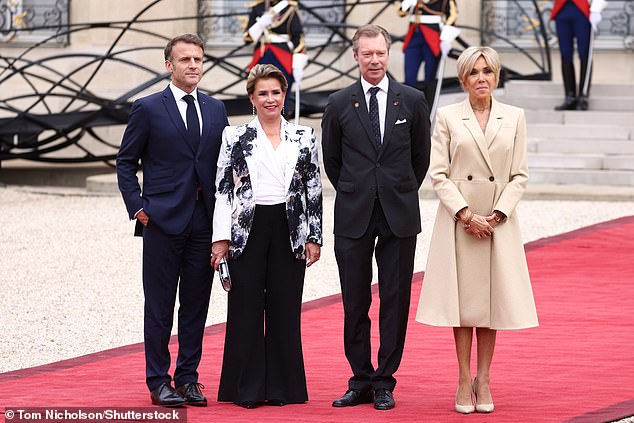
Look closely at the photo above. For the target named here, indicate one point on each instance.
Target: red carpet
(578, 366)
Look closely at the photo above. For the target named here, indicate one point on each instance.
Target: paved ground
(71, 279)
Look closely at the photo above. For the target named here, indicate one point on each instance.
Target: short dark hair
(265, 72)
(370, 31)
(185, 38)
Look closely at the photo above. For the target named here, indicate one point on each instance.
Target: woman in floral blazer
(267, 221)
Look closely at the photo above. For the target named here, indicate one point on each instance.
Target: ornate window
(27, 22)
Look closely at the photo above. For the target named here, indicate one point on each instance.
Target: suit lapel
(496, 118)
(205, 112)
(172, 110)
(361, 109)
(392, 109)
(473, 127)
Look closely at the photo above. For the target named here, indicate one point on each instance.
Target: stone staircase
(595, 147)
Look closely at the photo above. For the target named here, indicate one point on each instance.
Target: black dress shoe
(191, 393)
(383, 400)
(276, 403)
(582, 103)
(166, 396)
(249, 404)
(570, 103)
(354, 397)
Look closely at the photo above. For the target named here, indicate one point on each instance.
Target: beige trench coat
(473, 282)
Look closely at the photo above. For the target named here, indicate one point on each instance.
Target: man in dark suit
(176, 135)
(376, 143)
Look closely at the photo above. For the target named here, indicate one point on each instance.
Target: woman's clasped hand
(477, 225)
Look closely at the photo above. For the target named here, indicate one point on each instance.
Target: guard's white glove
(445, 47)
(595, 18)
(447, 35)
(598, 5)
(299, 63)
(265, 20)
(407, 4)
(261, 23)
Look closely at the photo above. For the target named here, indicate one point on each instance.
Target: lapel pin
(396, 102)
(356, 104)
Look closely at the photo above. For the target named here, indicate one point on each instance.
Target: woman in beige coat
(476, 275)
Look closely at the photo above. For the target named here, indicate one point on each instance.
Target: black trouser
(170, 262)
(263, 357)
(395, 261)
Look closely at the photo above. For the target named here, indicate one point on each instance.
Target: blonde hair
(265, 72)
(466, 62)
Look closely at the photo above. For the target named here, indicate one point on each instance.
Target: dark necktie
(374, 115)
(193, 125)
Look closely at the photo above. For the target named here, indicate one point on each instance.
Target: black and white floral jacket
(236, 186)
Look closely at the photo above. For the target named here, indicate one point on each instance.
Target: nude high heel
(481, 408)
(465, 409)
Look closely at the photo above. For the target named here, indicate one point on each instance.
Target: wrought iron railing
(61, 114)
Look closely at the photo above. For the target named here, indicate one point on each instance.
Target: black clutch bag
(223, 273)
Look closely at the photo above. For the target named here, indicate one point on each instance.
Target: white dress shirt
(182, 104)
(381, 98)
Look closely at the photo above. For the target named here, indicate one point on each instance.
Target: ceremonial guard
(275, 27)
(422, 42)
(576, 19)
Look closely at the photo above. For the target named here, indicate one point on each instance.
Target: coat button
(378, 165)
(491, 178)
(469, 178)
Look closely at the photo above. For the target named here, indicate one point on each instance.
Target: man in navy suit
(176, 136)
(376, 142)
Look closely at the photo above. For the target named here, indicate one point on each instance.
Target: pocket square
(398, 122)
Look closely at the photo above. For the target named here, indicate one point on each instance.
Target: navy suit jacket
(172, 170)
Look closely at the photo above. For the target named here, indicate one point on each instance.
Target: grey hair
(370, 31)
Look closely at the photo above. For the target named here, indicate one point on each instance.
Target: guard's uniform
(572, 20)
(279, 41)
(422, 42)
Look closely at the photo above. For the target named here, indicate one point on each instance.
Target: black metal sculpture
(59, 118)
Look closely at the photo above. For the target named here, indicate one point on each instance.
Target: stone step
(582, 176)
(548, 102)
(565, 161)
(576, 131)
(541, 88)
(614, 118)
(580, 161)
(26, 172)
(617, 148)
(622, 118)
(544, 116)
(620, 162)
(577, 148)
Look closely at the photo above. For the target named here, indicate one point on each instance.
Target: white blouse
(271, 167)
